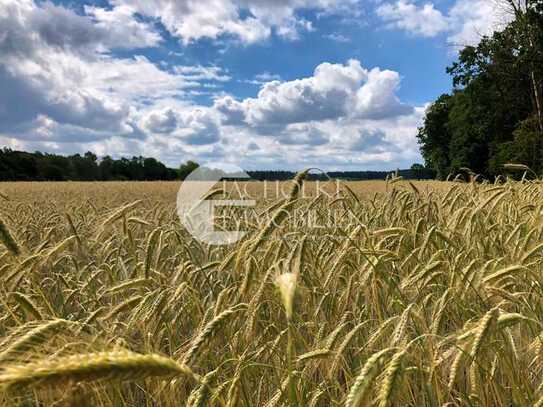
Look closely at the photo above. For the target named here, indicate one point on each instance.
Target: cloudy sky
(265, 84)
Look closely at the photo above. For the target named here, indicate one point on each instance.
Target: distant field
(394, 294)
(105, 193)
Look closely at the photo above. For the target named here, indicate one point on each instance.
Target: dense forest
(494, 114)
(417, 171)
(24, 166)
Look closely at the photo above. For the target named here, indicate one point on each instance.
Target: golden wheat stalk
(392, 374)
(360, 389)
(7, 239)
(114, 365)
(34, 336)
(210, 328)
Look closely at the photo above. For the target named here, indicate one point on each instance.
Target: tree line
(494, 114)
(417, 171)
(26, 166)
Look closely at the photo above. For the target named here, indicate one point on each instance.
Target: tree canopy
(23, 166)
(493, 115)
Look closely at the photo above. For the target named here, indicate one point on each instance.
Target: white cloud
(100, 94)
(201, 127)
(233, 111)
(262, 78)
(161, 121)
(62, 28)
(425, 21)
(377, 98)
(193, 125)
(334, 91)
(119, 22)
(465, 23)
(337, 37)
(247, 20)
(59, 80)
(472, 19)
(303, 134)
(136, 79)
(342, 115)
(199, 73)
(192, 20)
(65, 90)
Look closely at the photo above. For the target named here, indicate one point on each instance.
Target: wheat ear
(116, 365)
(32, 338)
(360, 388)
(209, 330)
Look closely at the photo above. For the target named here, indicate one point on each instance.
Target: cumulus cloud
(303, 134)
(425, 21)
(233, 112)
(193, 125)
(119, 23)
(164, 121)
(43, 73)
(473, 19)
(247, 20)
(199, 127)
(464, 23)
(377, 98)
(60, 81)
(334, 91)
(27, 95)
(343, 113)
(26, 28)
(373, 141)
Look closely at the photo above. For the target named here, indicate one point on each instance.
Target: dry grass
(430, 294)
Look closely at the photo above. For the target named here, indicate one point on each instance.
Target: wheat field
(422, 294)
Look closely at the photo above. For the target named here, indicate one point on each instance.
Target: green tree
(493, 114)
(418, 171)
(528, 143)
(105, 168)
(434, 136)
(186, 168)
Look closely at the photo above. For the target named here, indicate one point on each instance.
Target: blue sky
(267, 84)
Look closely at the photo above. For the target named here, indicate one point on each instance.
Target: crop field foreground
(396, 293)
